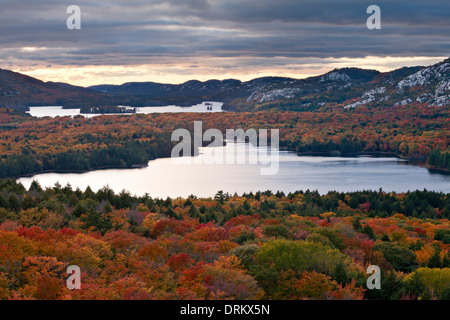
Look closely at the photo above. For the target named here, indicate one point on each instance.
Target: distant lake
(58, 111)
(163, 178)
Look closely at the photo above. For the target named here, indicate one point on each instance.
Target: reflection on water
(40, 112)
(164, 178)
(58, 111)
(199, 108)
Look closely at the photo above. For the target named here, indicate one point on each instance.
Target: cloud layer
(176, 40)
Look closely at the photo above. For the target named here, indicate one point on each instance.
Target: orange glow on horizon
(213, 68)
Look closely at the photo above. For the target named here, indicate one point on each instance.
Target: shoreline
(134, 166)
(409, 160)
(415, 161)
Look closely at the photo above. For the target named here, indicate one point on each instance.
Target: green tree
(435, 260)
(283, 255)
(277, 231)
(340, 275)
(369, 231)
(96, 220)
(13, 202)
(399, 257)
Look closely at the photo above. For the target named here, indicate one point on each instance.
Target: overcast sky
(177, 40)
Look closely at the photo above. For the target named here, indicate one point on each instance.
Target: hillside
(346, 87)
(31, 145)
(18, 91)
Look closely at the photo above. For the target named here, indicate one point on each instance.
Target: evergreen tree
(369, 231)
(13, 202)
(340, 275)
(98, 221)
(435, 260)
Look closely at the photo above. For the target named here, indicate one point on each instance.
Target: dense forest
(29, 145)
(266, 245)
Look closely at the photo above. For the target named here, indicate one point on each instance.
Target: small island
(107, 110)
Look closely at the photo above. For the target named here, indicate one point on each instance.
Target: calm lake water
(163, 178)
(58, 111)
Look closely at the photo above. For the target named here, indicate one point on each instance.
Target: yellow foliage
(436, 280)
(342, 206)
(228, 262)
(179, 211)
(150, 220)
(119, 219)
(400, 236)
(225, 246)
(154, 252)
(424, 254)
(4, 287)
(32, 217)
(399, 216)
(13, 247)
(142, 208)
(89, 252)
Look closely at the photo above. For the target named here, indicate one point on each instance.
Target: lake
(163, 178)
(58, 111)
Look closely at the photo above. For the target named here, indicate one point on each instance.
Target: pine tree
(435, 260)
(446, 261)
(369, 231)
(357, 224)
(96, 220)
(340, 275)
(13, 202)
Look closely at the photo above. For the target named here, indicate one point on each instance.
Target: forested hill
(20, 91)
(29, 145)
(347, 87)
(270, 246)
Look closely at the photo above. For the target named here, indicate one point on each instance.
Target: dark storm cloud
(334, 12)
(141, 31)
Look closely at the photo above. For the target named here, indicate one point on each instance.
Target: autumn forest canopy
(29, 146)
(256, 246)
(315, 145)
(263, 245)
